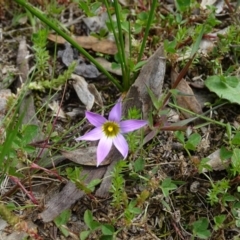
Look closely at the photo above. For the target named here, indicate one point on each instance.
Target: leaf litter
(166, 158)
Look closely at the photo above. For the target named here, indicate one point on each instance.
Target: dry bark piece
(89, 42)
(189, 101)
(69, 194)
(84, 156)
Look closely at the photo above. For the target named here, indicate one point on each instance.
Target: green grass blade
(150, 19)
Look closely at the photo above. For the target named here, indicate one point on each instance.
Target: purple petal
(121, 144)
(93, 135)
(95, 119)
(116, 112)
(103, 149)
(131, 125)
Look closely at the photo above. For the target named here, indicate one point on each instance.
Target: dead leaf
(108, 66)
(86, 70)
(216, 162)
(4, 95)
(97, 96)
(82, 68)
(89, 42)
(81, 88)
(96, 23)
(22, 62)
(57, 111)
(217, 3)
(151, 76)
(189, 101)
(84, 156)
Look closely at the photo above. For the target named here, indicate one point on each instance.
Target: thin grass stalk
(150, 19)
(121, 50)
(52, 25)
(129, 55)
(121, 40)
(198, 115)
(114, 32)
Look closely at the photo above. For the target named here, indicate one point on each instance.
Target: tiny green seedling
(200, 228)
(107, 230)
(61, 222)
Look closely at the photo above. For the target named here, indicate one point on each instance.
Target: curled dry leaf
(89, 42)
(97, 96)
(108, 66)
(81, 88)
(188, 100)
(84, 156)
(57, 110)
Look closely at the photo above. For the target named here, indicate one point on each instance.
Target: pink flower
(110, 131)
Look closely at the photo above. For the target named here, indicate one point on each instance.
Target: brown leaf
(89, 42)
(81, 88)
(189, 101)
(151, 76)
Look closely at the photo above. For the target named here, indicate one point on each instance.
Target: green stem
(52, 25)
(122, 48)
(119, 41)
(150, 19)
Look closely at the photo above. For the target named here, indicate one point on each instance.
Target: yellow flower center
(111, 129)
